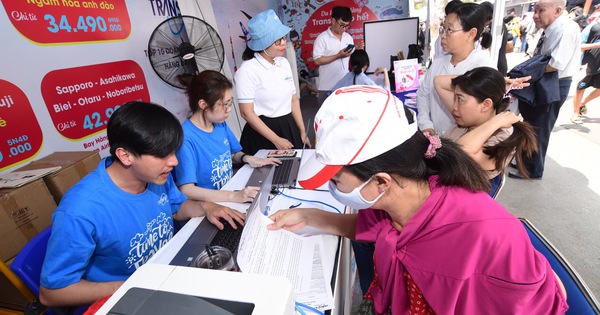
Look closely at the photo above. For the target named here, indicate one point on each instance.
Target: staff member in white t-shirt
(330, 51)
(266, 91)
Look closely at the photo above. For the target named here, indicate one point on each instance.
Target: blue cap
(265, 29)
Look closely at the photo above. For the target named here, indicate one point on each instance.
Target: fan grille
(179, 38)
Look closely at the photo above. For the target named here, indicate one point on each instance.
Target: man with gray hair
(561, 41)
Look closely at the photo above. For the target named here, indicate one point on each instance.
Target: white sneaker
(576, 119)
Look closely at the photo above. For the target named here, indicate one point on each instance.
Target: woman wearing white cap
(442, 244)
(266, 91)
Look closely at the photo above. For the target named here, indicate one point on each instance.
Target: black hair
(341, 12)
(294, 34)
(489, 9)
(358, 60)
(144, 129)
(486, 82)
(508, 19)
(248, 53)
(453, 166)
(451, 6)
(486, 36)
(486, 40)
(471, 15)
(208, 85)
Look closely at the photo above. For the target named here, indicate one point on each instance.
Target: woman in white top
(461, 29)
(266, 90)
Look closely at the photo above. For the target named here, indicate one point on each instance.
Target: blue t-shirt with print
(205, 157)
(101, 233)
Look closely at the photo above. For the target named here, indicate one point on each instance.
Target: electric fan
(184, 44)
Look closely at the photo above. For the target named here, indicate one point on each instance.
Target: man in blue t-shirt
(119, 215)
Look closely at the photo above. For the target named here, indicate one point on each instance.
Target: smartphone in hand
(349, 48)
(282, 153)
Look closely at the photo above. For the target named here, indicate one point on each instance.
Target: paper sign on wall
(406, 73)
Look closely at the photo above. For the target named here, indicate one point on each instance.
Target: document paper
(283, 253)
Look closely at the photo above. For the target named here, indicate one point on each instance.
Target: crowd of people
(418, 181)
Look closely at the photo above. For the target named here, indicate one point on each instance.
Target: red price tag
(81, 100)
(69, 21)
(20, 133)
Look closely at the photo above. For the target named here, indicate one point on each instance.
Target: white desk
(274, 296)
(337, 256)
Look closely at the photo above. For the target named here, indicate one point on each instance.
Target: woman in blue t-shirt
(209, 147)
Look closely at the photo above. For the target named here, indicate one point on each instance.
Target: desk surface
(270, 295)
(331, 259)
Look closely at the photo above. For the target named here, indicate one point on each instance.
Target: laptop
(208, 234)
(150, 302)
(286, 174)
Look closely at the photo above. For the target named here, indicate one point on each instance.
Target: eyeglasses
(227, 105)
(448, 31)
(344, 26)
(279, 41)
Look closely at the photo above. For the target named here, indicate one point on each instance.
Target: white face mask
(353, 199)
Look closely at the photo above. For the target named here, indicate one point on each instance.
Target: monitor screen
(385, 38)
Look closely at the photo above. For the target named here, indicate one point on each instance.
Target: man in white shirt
(330, 53)
(561, 41)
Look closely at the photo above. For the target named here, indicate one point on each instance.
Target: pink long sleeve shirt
(466, 254)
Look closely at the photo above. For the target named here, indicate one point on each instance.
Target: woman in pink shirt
(443, 246)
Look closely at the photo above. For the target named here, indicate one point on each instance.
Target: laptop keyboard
(282, 172)
(228, 237)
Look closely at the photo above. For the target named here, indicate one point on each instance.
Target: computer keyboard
(228, 237)
(282, 172)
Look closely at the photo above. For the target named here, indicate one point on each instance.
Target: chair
(502, 178)
(21, 287)
(579, 297)
(28, 263)
(28, 267)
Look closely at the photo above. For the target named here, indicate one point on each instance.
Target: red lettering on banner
(81, 100)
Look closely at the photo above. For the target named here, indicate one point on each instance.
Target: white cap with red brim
(354, 124)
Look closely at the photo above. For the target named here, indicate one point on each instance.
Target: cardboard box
(24, 212)
(74, 166)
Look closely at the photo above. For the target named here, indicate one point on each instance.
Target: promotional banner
(20, 132)
(82, 104)
(67, 65)
(69, 21)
